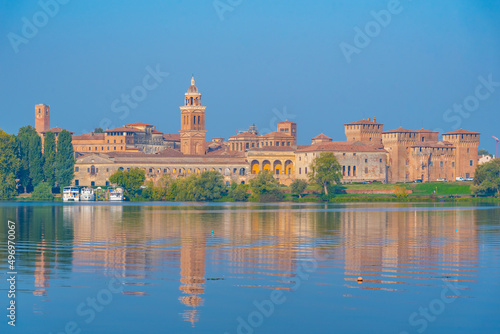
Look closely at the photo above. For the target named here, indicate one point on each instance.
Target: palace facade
(368, 154)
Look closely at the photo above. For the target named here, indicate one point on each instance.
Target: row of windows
(441, 163)
(192, 101)
(92, 183)
(227, 171)
(343, 154)
(196, 119)
(443, 149)
(365, 126)
(92, 169)
(96, 148)
(247, 145)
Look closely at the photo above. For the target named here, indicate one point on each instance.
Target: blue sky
(254, 62)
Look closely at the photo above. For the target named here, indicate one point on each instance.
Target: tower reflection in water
(146, 243)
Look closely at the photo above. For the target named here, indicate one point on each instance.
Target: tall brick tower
(42, 117)
(466, 143)
(192, 122)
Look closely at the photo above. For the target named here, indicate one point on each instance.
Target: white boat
(87, 194)
(116, 194)
(71, 194)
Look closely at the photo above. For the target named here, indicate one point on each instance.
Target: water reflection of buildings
(386, 246)
(382, 246)
(133, 243)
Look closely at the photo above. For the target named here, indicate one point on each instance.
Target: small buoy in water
(360, 279)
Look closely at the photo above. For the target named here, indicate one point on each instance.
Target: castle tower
(365, 131)
(288, 127)
(398, 143)
(42, 118)
(192, 122)
(466, 143)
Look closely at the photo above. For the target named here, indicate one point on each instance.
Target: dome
(192, 88)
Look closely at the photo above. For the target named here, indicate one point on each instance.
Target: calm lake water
(246, 268)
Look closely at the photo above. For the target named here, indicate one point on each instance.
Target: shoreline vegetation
(414, 192)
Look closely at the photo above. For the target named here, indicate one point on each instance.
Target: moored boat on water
(71, 194)
(116, 194)
(87, 194)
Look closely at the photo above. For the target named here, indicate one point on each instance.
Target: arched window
(191, 101)
(198, 119)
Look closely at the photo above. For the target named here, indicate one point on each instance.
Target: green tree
(298, 186)
(49, 154)
(98, 130)
(238, 192)
(42, 192)
(181, 186)
(9, 165)
(65, 159)
(207, 186)
(35, 159)
(487, 179)
(161, 190)
(131, 180)
(23, 150)
(484, 152)
(265, 188)
(326, 171)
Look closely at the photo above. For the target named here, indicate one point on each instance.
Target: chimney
(369, 120)
(374, 119)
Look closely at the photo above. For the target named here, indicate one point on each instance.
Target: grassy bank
(441, 188)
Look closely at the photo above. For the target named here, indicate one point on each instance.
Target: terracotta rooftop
(321, 136)
(156, 131)
(272, 148)
(461, 131)
(172, 136)
(342, 146)
(226, 153)
(426, 131)
(138, 124)
(277, 134)
(56, 130)
(398, 130)
(168, 152)
(89, 136)
(245, 135)
(363, 121)
(286, 122)
(124, 129)
(441, 143)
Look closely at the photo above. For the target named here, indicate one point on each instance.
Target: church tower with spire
(192, 122)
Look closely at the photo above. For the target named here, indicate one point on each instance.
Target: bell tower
(192, 122)
(42, 118)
